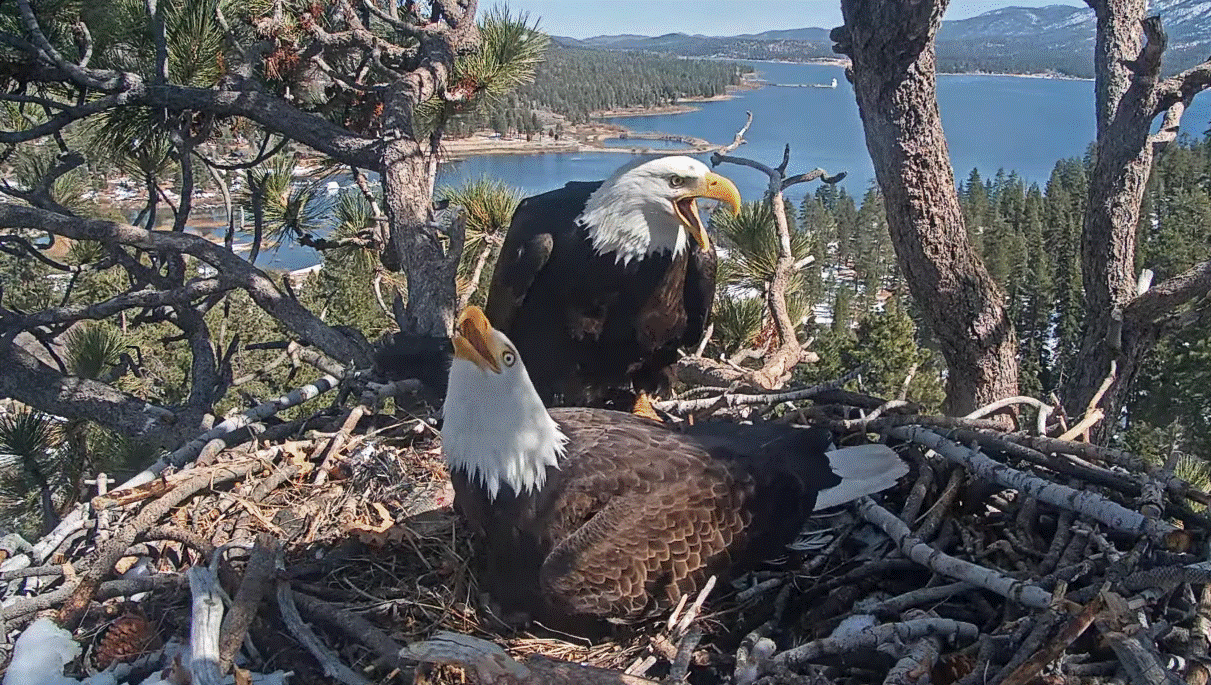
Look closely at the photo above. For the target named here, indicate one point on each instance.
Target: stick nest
(1003, 557)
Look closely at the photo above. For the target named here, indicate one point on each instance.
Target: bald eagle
(587, 517)
(599, 283)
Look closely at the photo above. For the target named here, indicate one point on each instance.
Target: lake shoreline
(591, 136)
(844, 63)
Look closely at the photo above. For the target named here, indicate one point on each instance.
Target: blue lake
(991, 122)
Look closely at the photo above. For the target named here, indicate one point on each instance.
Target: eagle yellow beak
(711, 187)
(473, 340)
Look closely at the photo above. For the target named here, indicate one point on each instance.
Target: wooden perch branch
(777, 365)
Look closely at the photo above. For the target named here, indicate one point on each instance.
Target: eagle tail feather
(864, 470)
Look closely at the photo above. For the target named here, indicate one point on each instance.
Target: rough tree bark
(891, 45)
(1121, 324)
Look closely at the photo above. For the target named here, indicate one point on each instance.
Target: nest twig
(1004, 554)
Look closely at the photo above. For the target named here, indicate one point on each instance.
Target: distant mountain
(1056, 38)
(1021, 22)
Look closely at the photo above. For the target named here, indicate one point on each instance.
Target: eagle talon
(643, 407)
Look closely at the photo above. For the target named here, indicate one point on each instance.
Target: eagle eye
(508, 358)
(676, 181)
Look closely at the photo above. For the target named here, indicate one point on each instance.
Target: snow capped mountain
(1012, 39)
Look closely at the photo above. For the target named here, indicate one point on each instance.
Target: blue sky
(584, 18)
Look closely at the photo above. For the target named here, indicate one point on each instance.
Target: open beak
(712, 187)
(473, 340)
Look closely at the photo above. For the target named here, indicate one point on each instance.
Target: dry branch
(872, 637)
(109, 555)
(492, 666)
(246, 603)
(989, 579)
(204, 630)
(1076, 627)
(191, 449)
(333, 666)
(1081, 501)
(682, 407)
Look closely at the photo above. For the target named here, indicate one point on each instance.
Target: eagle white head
(649, 205)
(495, 426)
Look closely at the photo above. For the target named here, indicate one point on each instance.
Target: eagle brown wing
(538, 223)
(644, 515)
(519, 263)
(699, 294)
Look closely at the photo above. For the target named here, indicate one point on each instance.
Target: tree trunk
(417, 245)
(1127, 99)
(891, 44)
(1118, 42)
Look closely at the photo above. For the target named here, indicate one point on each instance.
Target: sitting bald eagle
(600, 283)
(590, 515)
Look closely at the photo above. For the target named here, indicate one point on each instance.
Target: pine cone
(952, 668)
(127, 638)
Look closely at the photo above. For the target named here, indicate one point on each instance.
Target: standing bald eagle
(598, 284)
(592, 515)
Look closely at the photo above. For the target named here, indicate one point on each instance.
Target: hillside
(1056, 38)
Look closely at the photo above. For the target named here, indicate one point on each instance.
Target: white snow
(40, 655)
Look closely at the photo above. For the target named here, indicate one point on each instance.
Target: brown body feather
(639, 513)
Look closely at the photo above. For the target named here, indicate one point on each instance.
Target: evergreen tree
(817, 223)
(845, 213)
(973, 197)
(872, 256)
(1034, 298)
(1063, 218)
(896, 365)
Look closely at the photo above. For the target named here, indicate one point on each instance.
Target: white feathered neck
(631, 215)
(496, 428)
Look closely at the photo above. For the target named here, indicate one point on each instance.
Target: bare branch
(238, 271)
(766, 399)
(870, 638)
(333, 666)
(97, 79)
(274, 114)
(141, 298)
(1024, 593)
(1084, 502)
(1170, 294)
(1181, 88)
(32, 382)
